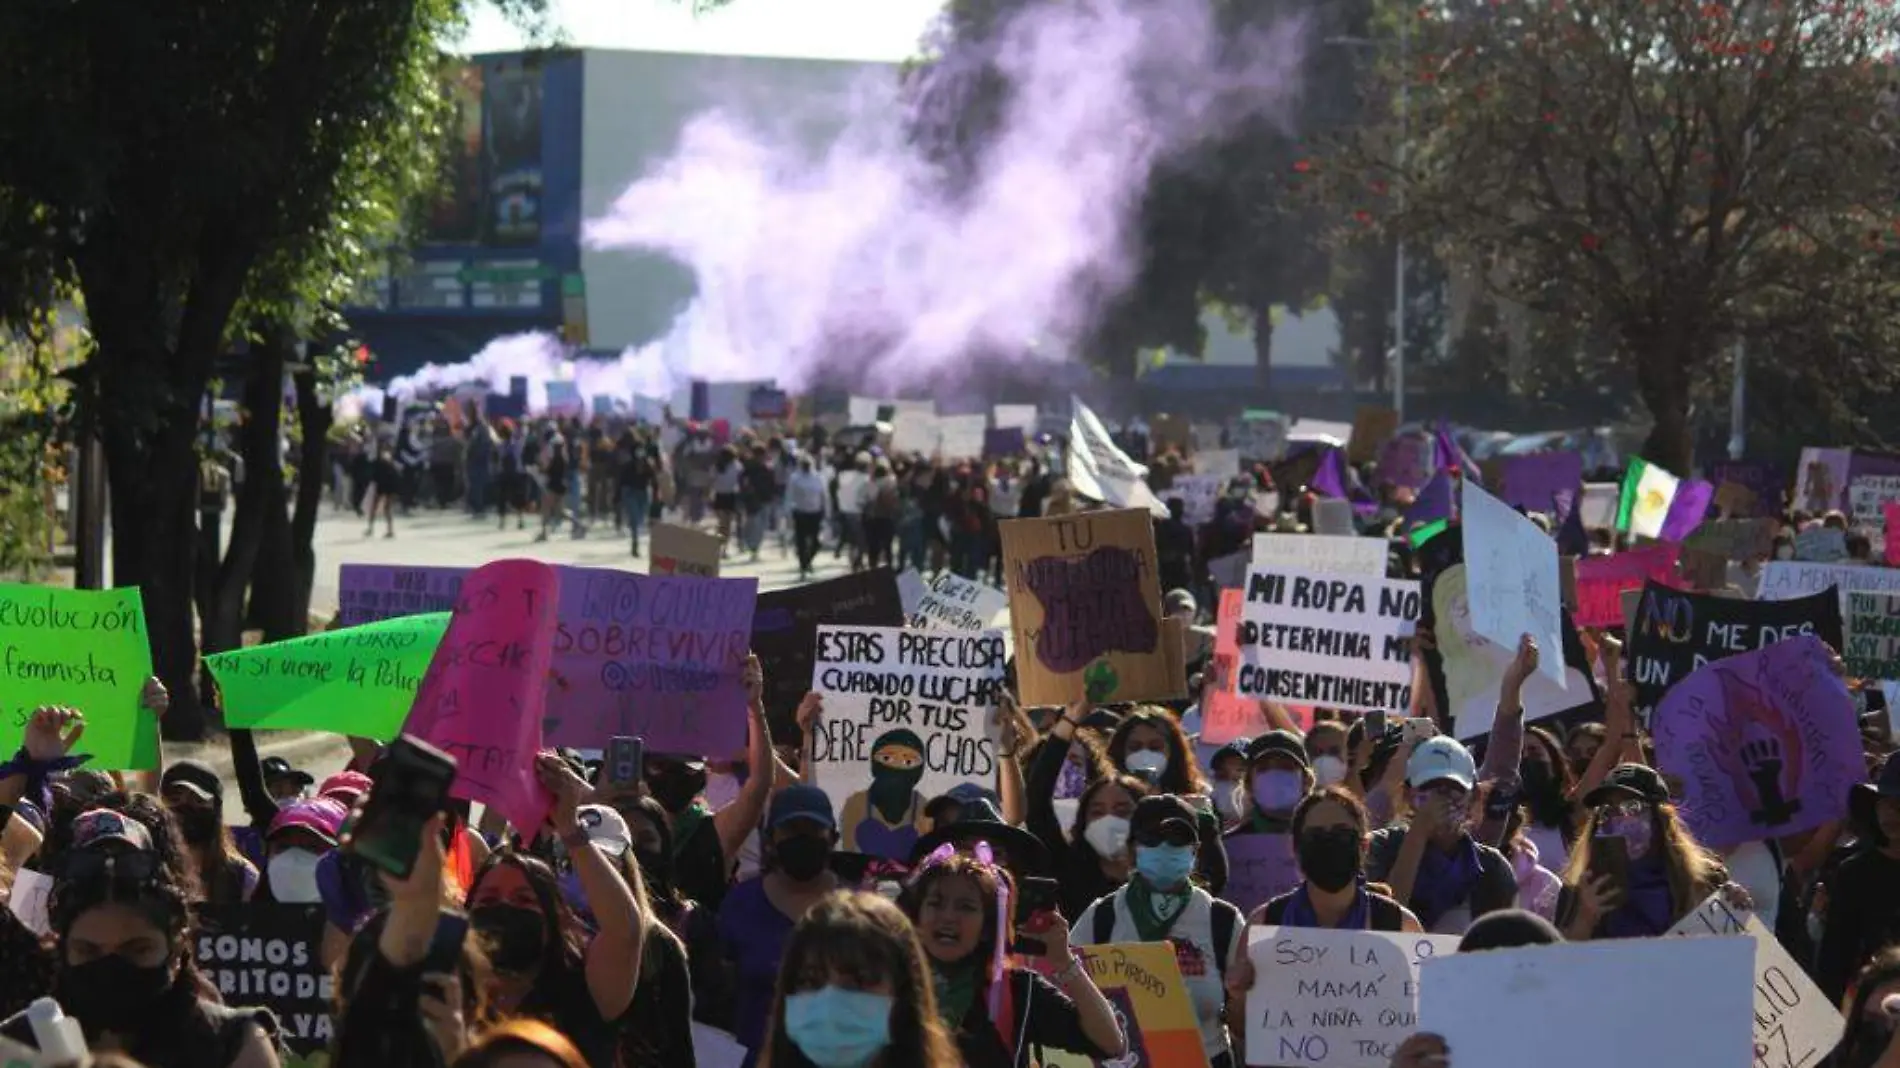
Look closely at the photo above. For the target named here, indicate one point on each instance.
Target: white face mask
(1328, 769)
(1147, 761)
(1228, 797)
(293, 877)
(1107, 835)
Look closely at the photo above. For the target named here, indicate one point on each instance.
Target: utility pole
(1398, 287)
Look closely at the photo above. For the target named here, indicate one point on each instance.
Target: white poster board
(1334, 999)
(1198, 495)
(1333, 517)
(1785, 580)
(1220, 463)
(1511, 580)
(863, 410)
(951, 602)
(1010, 416)
(961, 436)
(1599, 503)
(1337, 641)
(915, 432)
(1795, 1026)
(1321, 553)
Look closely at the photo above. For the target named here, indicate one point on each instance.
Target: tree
(1668, 174)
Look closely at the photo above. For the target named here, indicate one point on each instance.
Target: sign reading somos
(1339, 641)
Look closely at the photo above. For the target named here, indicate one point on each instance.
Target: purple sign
(1537, 482)
(1770, 486)
(1260, 867)
(1003, 441)
(1765, 744)
(659, 657)
(1406, 460)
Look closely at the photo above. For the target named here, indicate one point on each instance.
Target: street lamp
(1405, 137)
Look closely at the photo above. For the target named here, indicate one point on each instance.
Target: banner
(785, 628)
(1601, 581)
(359, 681)
(1873, 636)
(1676, 632)
(1537, 482)
(1511, 579)
(1766, 744)
(1795, 1026)
(1472, 666)
(269, 955)
(1334, 998)
(1321, 554)
(1260, 867)
(84, 649)
(1783, 580)
(1142, 981)
(1337, 641)
(952, 602)
(1225, 715)
(678, 550)
(1085, 605)
(908, 715)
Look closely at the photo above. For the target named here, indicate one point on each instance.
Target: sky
(886, 30)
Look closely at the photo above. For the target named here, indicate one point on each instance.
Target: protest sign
(1873, 636)
(1472, 666)
(1676, 632)
(1795, 1026)
(1759, 487)
(1406, 460)
(367, 593)
(1142, 982)
(1002, 442)
(1511, 579)
(1821, 545)
(1783, 580)
(910, 590)
(1334, 998)
(1100, 471)
(916, 432)
(1535, 483)
(1732, 499)
(1217, 463)
(1260, 867)
(863, 411)
(678, 550)
(483, 696)
(1703, 571)
(1333, 517)
(1766, 744)
(1873, 481)
(1339, 641)
(1372, 427)
(1198, 494)
(1225, 715)
(1229, 572)
(84, 649)
(1891, 550)
(1681, 1002)
(359, 681)
(785, 628)
(269, 955)
(1740, 540)
(1820, 484)
(1599, 503)
(952, 602)
(1262, 436)
(1601, 581)
(27, 900)
(1321, 554)
(961, 436)
(1085, 604)
(1018, 416)
(908, 715)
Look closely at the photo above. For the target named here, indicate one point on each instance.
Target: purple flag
(1533, 482)
(1766, 744)
(1333, 479)
(1687, 511)
(1434, 502)
(1446, 452)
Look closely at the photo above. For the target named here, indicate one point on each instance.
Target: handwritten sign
(1821, 545)
(1511, 579)
(917, 433)
(86, 649)
(1794, 1024)
(483, 697)
(1766, 744)
(960, 437)
(1334, 999)
(1085, 604)
(1260, 867)
(785, 631)
(1338, 641)
(1675, 632)
(1783, 580)
(367, 593)
(1019, 416)
(1740, 540)
(681, 550)
(1143, 983)
(1372, 427)
(268, 955)
(1873, 636)
(359, 681)
(1867, 498)
(908, 715)
(1473, 665)
(1322, 554)
(1406, 460)
(1601, 581)
(1891, 550)
(1198, 495)
(1225, 715)
(952, 602)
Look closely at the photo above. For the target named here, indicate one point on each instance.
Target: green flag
(359, 681)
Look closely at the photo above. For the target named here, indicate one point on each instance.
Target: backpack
(1222, 922)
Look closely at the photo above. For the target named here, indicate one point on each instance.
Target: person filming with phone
(1636, 870)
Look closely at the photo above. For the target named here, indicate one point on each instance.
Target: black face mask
(1330, 858)
(803, 857)
(675, 790)
(200, 826)
(515, 937)
(1543, 794)
(113, 994)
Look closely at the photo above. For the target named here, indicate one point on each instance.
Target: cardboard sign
(1795, 1026)
(1601, 581)
(1334, 998)
(1372, 427)
(1260, 867)
(1143, 982)
(269, 955)
(1740, 540)
(1473, 666)
(358, 681)
(1766, 744)
(1783, 580)
(678, 550)
(1225, 715)
(1511, 579)
(85, 649)
(1676, 632)
(1085, 605)
(1821, 545)
(1734, 500)
(951, 602)
(1321, 554)
(1337, 641)
(1703, 571)
(908, 716)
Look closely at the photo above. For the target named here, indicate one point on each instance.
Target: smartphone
(411, 786)
(1375, 725)
(1417, 730)
(1034, 896)
(1610, 856)
(626, 761)
(445, 948)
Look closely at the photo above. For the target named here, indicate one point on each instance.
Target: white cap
(1441, 759)
(605, 828)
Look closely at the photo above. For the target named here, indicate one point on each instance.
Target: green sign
(507, 274)
(359, 681)
(84, 649)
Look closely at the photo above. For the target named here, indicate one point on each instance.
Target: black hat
(194, 776)
(980, 821)
(1637, 781)
(1862, 798)
(278, 768)
(1157, 812)
(1509, 929)
(1278, 743)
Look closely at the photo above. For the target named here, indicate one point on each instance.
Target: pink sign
(482, 699)
(1601, 581)
(1891, 510)
(1225, 715)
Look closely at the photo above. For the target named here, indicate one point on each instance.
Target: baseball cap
(194, 777)
(1278, 743)
(801, 801)
(346, 786)
(321, 816)
(278, 768)
(105, 826)
(1632, 781)
(605, 828)
(1161, 813)
(1179, 601)
(1441, 759)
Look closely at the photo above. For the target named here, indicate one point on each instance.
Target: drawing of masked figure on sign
(886, 819)
(1770, 753)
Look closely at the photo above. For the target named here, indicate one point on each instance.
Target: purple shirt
(753, 932)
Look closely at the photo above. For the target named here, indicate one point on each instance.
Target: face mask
(675, 790)
(1146, 761)
(200, 826)
(1277, 792)
(1328, 769)
(293, 877)
(1633, 830)
(515, 937)
(838, 1028)
(113, 994)
(1107, 835)
(1227, 799)
(892, 788)
(1330, 858)
(803, 857)
(1537, 777)
(1164, 866)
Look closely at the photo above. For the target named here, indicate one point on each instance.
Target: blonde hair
(1694, 872)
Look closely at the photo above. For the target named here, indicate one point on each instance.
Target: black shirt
(1863, 915)
(1045, 1017)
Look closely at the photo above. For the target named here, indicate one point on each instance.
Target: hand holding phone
(1036, 904)
(626, 762)
(1610, 863)
(411, 788)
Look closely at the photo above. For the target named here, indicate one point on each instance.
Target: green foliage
(34, 402)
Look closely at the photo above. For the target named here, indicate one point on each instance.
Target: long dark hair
(563, 952)
(1884, 968)
(1182, 776)
(987, 877)
(867, 939)
(1137, 789)
(1558, 811)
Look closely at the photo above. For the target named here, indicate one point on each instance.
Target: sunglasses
(1173, 834)
(1638, 809)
